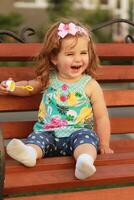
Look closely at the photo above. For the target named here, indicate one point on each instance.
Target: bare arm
(101, 117)
(35, 84)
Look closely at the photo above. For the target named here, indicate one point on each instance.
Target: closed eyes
(71, 54)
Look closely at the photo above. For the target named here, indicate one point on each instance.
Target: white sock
(84, 166)
(24, 154)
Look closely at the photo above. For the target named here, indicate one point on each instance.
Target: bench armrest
(2, 165)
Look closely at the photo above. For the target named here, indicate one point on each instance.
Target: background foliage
(60, 9)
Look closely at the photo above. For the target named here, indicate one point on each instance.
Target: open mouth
(75, 67)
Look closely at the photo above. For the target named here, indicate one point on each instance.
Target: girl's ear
(54, 60)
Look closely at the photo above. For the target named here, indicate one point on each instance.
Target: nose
(78, 58)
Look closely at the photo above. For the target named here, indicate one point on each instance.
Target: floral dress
(65, 108)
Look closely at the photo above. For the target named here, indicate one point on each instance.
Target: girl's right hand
(3, 88)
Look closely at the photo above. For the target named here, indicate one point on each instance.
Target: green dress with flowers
(65, 108)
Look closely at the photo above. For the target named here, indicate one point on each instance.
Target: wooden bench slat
(19, 52)
(64, 178)
(124, 193)
(66, 162)
(15, 103)
(106, 73)
(17, 73)
(15, 51)
(65, 165)
(122, 145)
(112, 73)
(115, 51)
(122, 125)
(22, 128)
(16, 129)
(119, 97)
(113, 98)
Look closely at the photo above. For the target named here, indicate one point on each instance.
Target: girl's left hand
(105, 150)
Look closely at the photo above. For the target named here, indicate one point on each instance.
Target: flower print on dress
(55, 123)
(62, 94)
(62, 109)
(49, 95)
(71, 116)
(85, 114)
(42, 112)
(72, 99)
(63, 98)
(64, 87)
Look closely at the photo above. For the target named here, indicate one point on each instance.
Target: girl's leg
(27, 154)
(37, 149)
(36, 146)
(85, 149)
(85, 154)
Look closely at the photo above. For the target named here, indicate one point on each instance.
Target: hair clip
(71, 28)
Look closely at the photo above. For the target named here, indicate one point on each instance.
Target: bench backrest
(110, 76)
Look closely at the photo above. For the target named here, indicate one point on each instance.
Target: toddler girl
(71, 101)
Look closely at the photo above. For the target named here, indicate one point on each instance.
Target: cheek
(67, 62)
(86, 60)
(64, 65)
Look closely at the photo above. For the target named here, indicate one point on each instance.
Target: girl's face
(73, 58)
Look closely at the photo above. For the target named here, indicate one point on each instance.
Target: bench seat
(57, 173)
(125, 193)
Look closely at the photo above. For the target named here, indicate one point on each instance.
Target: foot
(22, 153)
(85, 170)
(84, 166)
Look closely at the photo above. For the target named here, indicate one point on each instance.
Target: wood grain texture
(15, 51)
(61, 175)
(125, 193)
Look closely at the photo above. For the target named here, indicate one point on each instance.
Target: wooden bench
(125, 193)
(58, 173)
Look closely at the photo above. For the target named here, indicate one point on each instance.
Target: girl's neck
(67, 80)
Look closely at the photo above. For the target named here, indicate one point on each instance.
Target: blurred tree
(10, 21)
(131, 10)
(59, 9)
(96, 17)
(131, 16)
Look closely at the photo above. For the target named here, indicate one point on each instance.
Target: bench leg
(2, 165)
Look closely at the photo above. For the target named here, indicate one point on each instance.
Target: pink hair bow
(71, 28)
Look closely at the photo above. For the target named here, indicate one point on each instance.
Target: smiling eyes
(71, 53)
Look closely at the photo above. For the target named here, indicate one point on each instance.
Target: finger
(10, 78)
(3, 90)
(112, 151)
(3, 83)
(102, 151)
(3, 87)
(3, 93)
